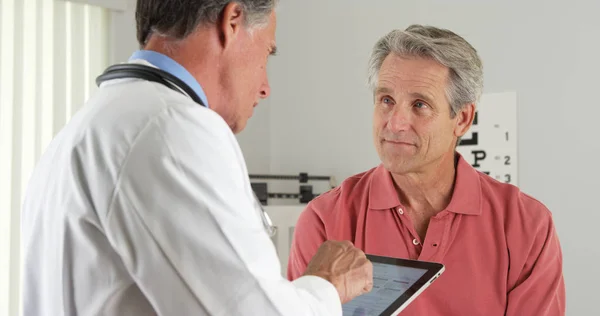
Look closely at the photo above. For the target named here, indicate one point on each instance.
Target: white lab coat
(142, 205)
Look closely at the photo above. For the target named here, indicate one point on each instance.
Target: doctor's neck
(199, 53)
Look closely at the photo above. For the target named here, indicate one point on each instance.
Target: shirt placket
(436, 238)
(410, 236)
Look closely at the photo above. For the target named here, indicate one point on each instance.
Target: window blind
(50, 53)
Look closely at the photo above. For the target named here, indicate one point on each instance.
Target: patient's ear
(464, 120)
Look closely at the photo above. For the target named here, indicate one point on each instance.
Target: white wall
(546, 52)
(255, 141)
(123, 31)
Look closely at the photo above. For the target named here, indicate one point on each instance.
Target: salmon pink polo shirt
(499, 245)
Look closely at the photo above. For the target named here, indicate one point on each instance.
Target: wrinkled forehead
(419, 77)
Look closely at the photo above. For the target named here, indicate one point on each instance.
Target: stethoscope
(148, 73)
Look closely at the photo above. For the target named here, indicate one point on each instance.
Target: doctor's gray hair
(447, 48)
(179, 18)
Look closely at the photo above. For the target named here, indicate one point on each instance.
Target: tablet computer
(396, 283)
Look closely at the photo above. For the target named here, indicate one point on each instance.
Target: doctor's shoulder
(129, 120)
(146, 104)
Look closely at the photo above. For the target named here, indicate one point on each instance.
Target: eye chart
(490, 146)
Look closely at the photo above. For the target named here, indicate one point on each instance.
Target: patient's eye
(421, 105)
(385, 100)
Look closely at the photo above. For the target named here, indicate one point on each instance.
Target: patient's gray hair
(444, 46)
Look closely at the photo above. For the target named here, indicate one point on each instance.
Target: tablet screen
(389, 283)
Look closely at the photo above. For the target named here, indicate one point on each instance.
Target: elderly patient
(425, 202)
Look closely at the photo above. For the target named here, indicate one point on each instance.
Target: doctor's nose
(265, 90)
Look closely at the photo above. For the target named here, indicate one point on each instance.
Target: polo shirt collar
(466, 197)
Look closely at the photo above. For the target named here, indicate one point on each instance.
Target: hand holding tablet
(396, 283)
(371, 285)
(345, 266)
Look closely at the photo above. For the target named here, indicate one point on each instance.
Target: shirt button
(400, 211)
(416, 242)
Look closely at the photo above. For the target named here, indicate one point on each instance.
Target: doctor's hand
(345, 266)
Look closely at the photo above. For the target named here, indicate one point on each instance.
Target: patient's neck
(429, 190)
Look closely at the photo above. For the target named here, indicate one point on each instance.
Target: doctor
(142, 205)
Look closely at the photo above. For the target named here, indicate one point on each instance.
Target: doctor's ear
(231, 23)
